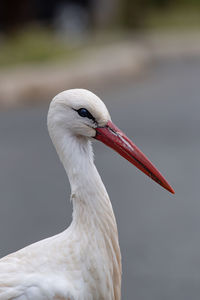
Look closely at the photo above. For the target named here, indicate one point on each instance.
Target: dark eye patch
(83, 112)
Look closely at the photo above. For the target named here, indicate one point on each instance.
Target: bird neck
(92, 210)
(88, 193)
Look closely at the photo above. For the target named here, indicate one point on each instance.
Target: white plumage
(84, 261)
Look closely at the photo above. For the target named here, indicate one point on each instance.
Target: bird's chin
(87, 132)
(90, 132)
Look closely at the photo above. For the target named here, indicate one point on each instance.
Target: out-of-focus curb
(94, 67)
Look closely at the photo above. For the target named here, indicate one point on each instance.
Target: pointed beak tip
(172, 191)
(169, 188)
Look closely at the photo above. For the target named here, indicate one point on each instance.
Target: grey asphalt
(159, 233)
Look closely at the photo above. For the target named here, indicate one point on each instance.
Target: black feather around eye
(83, 112)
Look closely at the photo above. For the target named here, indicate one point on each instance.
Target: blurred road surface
(159, 233)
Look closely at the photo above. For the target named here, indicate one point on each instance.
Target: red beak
(114, 138)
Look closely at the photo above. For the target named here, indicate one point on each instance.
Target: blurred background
(143, 59)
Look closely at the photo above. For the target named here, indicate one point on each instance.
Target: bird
(84, 261)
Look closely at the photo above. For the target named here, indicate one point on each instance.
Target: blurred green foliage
(179, 19)
(34, 44)
(141, 13)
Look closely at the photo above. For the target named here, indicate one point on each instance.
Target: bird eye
(83, 112)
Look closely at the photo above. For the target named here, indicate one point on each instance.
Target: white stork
(84, 261)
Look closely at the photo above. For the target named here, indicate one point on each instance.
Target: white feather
(84, 261)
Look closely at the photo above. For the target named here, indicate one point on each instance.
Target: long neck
(88, 193)
(92, 209)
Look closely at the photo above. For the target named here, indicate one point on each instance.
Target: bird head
(78, 111)
(82, 113)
